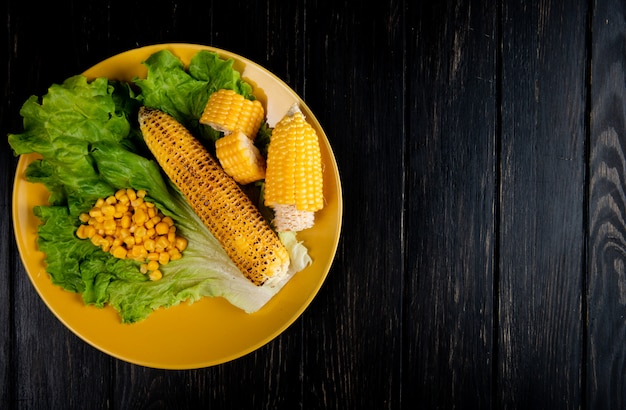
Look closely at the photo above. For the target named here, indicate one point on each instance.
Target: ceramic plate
(210, 331)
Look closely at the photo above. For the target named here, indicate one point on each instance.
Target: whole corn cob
(293, 180)
(227, 111)
(217, 199)
(240, 158)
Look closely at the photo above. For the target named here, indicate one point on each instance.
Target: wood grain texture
(606, 358)
(451, 175)
(542, 204)
(483, 248)
(356, 323)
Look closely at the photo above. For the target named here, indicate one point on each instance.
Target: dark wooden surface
(481, 147)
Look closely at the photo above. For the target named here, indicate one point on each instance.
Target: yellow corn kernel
(132, 195)
(162, 228)
(240, 158)
(141, 193)
(96, 239)
(140, 232)
(120, 209)
(248, 240)
(110, 200)
(95, 213)
(118, 252)
(153, 265)
(180, 243)
(80, 232)
(84, 217)
(169, 221)
(174, 254)
(149, 244)
(139, 252)
(164, 258)
(155, 275)
(293, 181)
(227, 111)
(136, 202)
(99, 203)
(153, 256)
(109, 225)
(171, 238)
(143, 268)
(129, 241)
(161, 243)
(90, 231)
(140, 217)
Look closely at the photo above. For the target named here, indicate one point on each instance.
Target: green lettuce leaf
(183, 93)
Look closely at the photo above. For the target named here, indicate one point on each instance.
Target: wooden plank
(354, 66)
(542, 220)
(8, 263)
(606, 305)
(451, 187)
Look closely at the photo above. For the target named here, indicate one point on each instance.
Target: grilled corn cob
(240, 158)
(217, 199)
(227, 111)
(293, 180)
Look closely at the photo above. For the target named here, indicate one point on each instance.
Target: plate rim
(25, 159)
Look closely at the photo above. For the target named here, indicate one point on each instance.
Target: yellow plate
(210, 331)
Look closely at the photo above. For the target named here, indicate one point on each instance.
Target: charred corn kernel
(240, 158)
(155, 275)
(227, 111)
(293, 182)
(128, 231)
(217, 199)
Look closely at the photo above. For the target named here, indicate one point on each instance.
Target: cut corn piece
(240, 158)
(217, 199)
(293, 181)
(227, 111)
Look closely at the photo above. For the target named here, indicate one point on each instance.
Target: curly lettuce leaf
(183, 93)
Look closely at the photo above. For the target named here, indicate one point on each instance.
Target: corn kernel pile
(128, 227)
